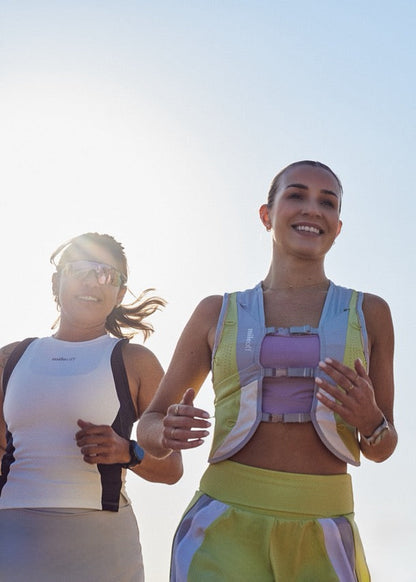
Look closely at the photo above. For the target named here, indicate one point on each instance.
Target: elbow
(382, 455)
(176, 472)
(165, 477)
(380, 459)
(174, 478)
(168, 470)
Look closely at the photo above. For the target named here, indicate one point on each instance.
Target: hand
(101, 444)
(354, 395)
(183, 423)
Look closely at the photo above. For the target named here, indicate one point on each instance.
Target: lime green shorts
(255, 525)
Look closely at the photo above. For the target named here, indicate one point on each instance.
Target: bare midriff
(298, 449)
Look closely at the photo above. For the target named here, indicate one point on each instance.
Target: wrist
(370, 428)
(126, 452)
(135, 455)
(378, 434)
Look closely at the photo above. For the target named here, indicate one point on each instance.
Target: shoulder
(5, 352)
(209, 306)
(206, 315)
(377, 316)
(375, 306)
(138, 355)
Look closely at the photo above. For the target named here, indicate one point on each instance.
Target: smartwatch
(378, 433)
(136, 455)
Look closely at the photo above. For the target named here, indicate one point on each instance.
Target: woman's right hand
(184, 425)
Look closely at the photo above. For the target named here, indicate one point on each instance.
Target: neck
(288, 275)
(74, 333)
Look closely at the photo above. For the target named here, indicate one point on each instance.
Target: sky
(163, 123)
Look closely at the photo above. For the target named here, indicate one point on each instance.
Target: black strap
(123, 424)
(8, 457)
(14, 357)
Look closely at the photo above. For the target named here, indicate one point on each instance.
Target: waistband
(275, 492)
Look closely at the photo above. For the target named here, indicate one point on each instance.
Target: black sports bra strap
(14, 357)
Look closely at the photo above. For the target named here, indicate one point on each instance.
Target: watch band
(378, 433)
(136, 455)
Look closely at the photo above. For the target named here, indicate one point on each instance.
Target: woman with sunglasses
(302, 371)
(69, 404)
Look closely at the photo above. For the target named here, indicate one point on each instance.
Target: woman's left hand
(354, 395)
(101, 444)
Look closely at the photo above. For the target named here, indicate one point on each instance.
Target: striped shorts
(250, 524)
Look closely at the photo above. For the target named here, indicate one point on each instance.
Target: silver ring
(176, 410)
(172, 434)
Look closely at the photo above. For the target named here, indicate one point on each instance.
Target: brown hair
(129, 316)
(275, 185)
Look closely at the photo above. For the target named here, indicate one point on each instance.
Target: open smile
(89, 298)
(307, 228)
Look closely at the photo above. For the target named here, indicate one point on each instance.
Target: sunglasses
(105, 274)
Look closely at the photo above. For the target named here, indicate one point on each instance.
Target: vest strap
(286, 417)
(289, 372)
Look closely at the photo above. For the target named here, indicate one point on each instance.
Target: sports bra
(288, 399)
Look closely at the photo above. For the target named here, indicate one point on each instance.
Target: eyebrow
(303, 187)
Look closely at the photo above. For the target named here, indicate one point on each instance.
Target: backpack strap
(14, 357)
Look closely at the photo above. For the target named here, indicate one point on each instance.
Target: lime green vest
(238, 375)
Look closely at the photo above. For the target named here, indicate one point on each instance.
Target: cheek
(112, 295)
(64, 291)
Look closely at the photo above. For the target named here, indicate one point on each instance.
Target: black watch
(136, 455)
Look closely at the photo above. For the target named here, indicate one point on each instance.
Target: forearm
(150, 434)
(167, 470)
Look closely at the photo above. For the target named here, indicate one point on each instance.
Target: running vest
(237, 374)
(48, 385)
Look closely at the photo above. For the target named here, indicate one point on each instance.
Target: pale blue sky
(163, 123)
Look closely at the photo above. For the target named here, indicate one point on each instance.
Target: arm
(4, 356)
(101, 444)
(365, 399)
(171, 421)
(170, 469)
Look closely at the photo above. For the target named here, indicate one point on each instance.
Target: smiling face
(304, 215)
(83, 301)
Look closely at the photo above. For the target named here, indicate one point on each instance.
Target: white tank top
(54, 384)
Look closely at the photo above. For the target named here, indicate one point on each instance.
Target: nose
(90, 277)
(311, 208)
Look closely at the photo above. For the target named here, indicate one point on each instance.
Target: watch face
(137, 453)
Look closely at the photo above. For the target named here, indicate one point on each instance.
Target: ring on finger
(176, 410)
(172, 434)
(350, 387)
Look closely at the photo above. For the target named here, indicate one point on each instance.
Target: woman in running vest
(302, 372)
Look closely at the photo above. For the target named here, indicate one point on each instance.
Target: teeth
(308, 228)
(88, 298)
